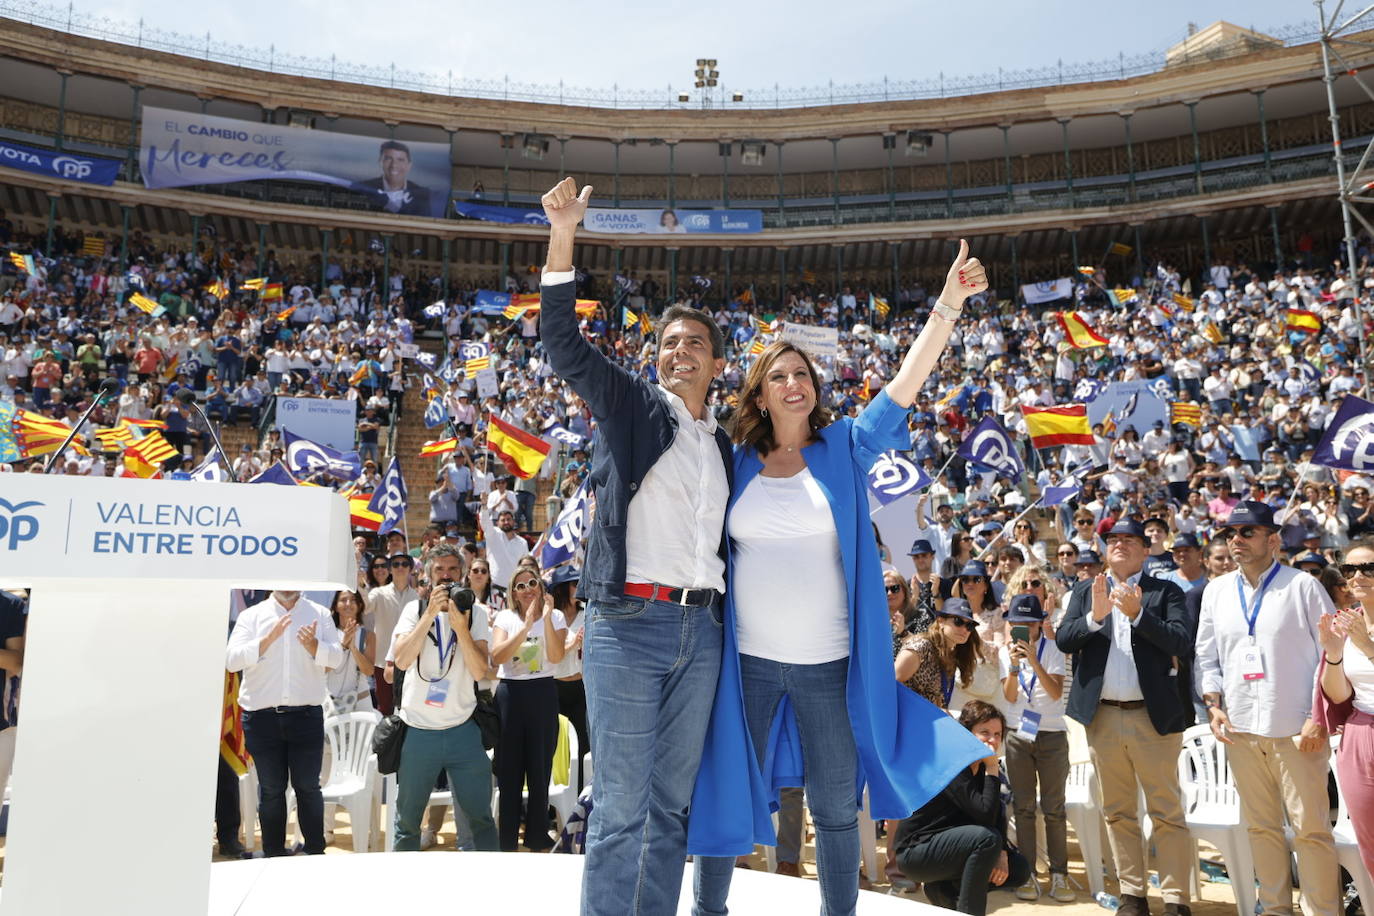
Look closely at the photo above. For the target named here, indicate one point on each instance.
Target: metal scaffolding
(1357, 187)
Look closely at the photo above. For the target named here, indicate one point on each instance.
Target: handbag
(387, 740)
(487, 717)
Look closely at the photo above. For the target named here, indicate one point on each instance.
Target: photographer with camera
(442, 649)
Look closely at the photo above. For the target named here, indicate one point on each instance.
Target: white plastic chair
(562, 797)
(1084, 813)
(1211, 807)
(353, 774)
(1347, 852)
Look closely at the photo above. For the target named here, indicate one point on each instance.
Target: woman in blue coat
(806, 695)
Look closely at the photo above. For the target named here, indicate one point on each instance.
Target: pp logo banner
(16, 527)
(71, 167)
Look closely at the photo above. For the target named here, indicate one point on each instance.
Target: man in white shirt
(384, 605)
(284, 646)
(505, 547)
(1257, 656)
(443, 651)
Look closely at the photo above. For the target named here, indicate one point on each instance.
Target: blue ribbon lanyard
(1039, 652)
(1252, 616)
(947, 686)
(439, 641)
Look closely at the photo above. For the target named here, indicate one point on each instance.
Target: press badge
(1030, 723)
(1252, 663)
(438, 692)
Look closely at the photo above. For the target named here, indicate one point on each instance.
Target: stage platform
(420, 882)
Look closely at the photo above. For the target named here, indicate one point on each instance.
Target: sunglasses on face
(479, 571)
(893, 589)
(379, 566)
(1067, 553)
(1350, 570)
(1084, 521)
(1034, 583)
(970, 580)
(399, 564)
(527, 584)
(959, 622)
(1244, 531)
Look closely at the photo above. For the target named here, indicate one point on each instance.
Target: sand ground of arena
(1216, 898)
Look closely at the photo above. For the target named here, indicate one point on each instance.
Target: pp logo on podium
(16, 526)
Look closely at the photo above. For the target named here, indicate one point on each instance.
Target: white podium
(123, 673)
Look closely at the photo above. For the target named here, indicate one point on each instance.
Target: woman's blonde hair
(750, 426)
(1054, 592)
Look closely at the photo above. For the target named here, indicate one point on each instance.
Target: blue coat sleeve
(881, 426)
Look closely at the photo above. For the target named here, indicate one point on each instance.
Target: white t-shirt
(1359, 670)
(1051, 711)
(571, 665)
(437, 694)
(791, 603)
(531, 660)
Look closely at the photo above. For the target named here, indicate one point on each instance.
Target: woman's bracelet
(947, 312)
(1330, 662)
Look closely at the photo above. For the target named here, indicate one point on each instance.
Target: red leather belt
(688, 597)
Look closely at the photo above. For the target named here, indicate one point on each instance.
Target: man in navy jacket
(1130, 633)
(653, 578)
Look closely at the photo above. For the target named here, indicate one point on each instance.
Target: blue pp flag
(436, 414)
(305, 458)
(436, 310)
(277, 474)
(1349, 441)
(1089, 388)
(565, 537)
(988, 447)
(449, 371)
(389, 500)
(894, 475)
(210, 468)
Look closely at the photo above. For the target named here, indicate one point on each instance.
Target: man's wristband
(1212, 704)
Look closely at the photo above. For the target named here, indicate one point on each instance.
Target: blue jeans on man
(650, 670)
(287, 743)
(830, 761)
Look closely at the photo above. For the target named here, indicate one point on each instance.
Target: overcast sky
(801, 43)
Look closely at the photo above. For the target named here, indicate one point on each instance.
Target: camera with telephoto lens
(463, 598)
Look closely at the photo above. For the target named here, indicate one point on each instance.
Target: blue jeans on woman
(830, 770)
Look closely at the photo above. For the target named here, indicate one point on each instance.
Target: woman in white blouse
(527, 642)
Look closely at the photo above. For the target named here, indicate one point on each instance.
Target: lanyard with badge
(1251, 656)
(437, 692)
(946, 686)
(1030, 719)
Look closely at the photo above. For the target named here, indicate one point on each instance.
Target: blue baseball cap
(920, 546)
(1087, 557)
(1129, 527)
(1252, 513)
(974, 568)
(957, 607)
(1025, 609)
(1186, 540)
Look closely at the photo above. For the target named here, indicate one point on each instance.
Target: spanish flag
(439, 447)
(1120, 248)
(520, 452)
(1305, 321)
(1080, 334)
(169, 371)
(254, 283)
(1065, 424)
(144, 458)
(218, 289)
(272, 292)
(520, 303)
(360, 516)
(146, 304)
(1185, 412)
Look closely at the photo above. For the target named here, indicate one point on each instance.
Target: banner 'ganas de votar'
(182, 148)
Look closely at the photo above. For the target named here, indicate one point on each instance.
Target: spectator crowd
(1097, 610)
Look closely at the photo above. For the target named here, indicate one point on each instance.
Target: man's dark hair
(396, 145)
(976, 712)
(687, 313)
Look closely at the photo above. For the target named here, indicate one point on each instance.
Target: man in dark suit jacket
(1126, 631)
(393, 191)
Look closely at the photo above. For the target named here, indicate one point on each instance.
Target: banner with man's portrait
(181, 148)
